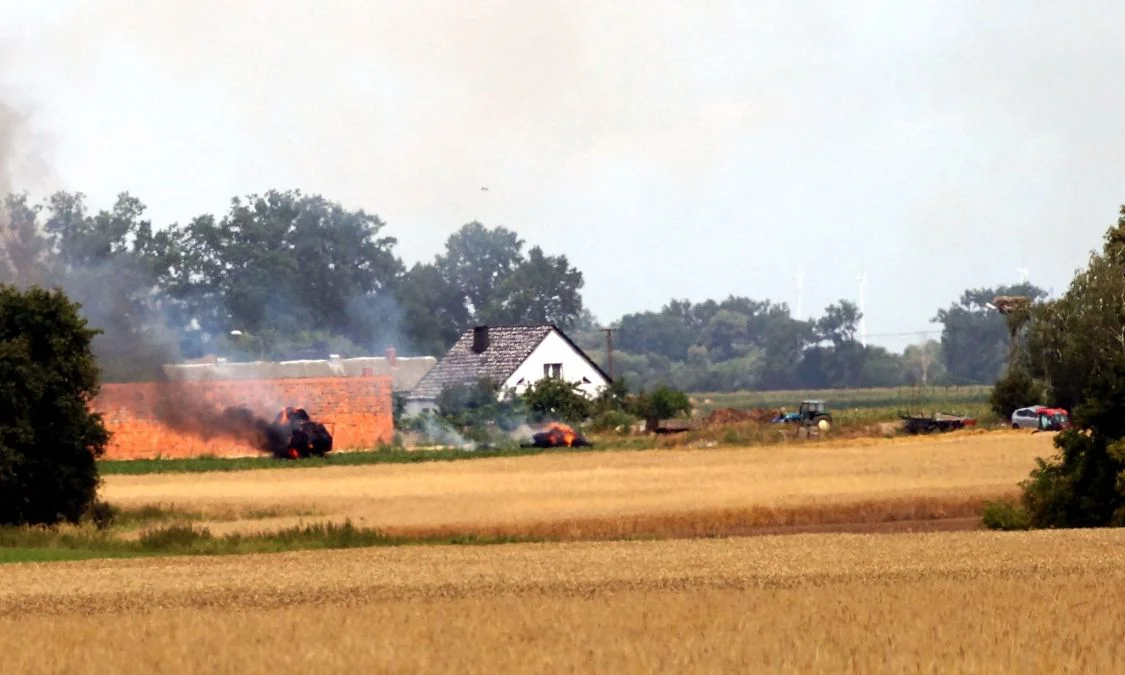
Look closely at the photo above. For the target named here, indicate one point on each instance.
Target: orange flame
(568, 435)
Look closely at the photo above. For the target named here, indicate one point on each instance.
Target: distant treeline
(289, 275)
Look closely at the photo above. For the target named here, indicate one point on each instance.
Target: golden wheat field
(951, 602)
(614, 494)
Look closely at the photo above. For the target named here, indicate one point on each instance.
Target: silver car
(1026, 418)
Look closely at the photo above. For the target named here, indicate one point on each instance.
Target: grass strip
(205, 464)
(48, 545)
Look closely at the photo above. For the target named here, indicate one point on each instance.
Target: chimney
(391, 357)
(480, 339)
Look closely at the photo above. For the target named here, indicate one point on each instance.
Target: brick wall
(356, 410)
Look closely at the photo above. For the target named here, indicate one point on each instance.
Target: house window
(552, 370)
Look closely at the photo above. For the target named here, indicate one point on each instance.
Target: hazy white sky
(668, 148)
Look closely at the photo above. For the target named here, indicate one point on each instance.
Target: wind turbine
(862, 279)
(1023, 272)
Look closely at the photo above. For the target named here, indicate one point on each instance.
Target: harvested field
(964, 602)
(622, 494)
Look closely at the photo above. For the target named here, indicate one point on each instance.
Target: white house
(514, 356)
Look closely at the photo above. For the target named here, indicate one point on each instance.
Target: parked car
(1026, 418)
(1053, 419)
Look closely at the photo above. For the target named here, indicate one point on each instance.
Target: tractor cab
(810, 409)
(815, 413)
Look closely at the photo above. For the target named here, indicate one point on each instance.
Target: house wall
(555, 349)
(356, 410)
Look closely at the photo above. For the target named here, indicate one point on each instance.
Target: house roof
(508, 347)
(406, 372)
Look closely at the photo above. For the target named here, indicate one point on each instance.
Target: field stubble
(621, 494)
(968, 602)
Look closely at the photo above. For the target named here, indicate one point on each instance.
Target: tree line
(300, 276)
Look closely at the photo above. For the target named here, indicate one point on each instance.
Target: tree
(24, 249)
(557, 399)
(110, 263)
(541, 289)
(974, 336)
(49, 438)
(1077, 343)
(282, 262)
(433, 313)
(477, 261)
(923, 364)
(661, 404)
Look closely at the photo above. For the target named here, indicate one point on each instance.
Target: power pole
(609, 350)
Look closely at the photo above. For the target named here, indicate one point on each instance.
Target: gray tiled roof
(406, 372)
(508, 347)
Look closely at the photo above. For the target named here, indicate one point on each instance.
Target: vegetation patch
(40, 544)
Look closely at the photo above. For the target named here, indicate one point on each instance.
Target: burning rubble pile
(292, 434)
(557, 435)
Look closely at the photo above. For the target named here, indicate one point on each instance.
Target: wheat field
(615, 494)
(953, 602)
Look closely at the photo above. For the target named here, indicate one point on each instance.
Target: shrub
(182, 538)
(1006, 515)
(1016, 389)
(611, 420)
(1079, 487)
(557, 399)
(103, 514)
(49, 438)
(663, 403)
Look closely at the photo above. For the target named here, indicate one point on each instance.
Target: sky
(670, 149)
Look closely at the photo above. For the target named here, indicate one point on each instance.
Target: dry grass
(598, 495)
(948, 602)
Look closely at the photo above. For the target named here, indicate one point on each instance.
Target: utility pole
(609, 349)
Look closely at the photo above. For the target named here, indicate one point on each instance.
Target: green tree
(24, 250)
(49, 438)
(433, 313)
(284, 261)
(1077, 343)
(541, 289)
(477, 261)
(557, 399)
(110, 262)
(974, 338)
(661, 403)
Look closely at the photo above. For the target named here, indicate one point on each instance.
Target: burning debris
(291, 435)
(294, 434)
(557, 435)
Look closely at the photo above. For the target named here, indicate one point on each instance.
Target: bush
(1004, 515)
(1016, 389)
(611, 420)
(1079, 487)
(557, 399)
(49, 438)
(103, 515)
(663, 403)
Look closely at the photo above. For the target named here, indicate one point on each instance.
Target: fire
(557, 435)
(564, 433)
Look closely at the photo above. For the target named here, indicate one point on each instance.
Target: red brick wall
(356, 410)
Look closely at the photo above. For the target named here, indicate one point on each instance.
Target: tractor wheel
(823, 424)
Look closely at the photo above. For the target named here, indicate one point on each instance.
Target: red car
(1053, 419)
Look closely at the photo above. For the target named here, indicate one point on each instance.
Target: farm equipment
(814, 414)
(921, 423)
(941, 422)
